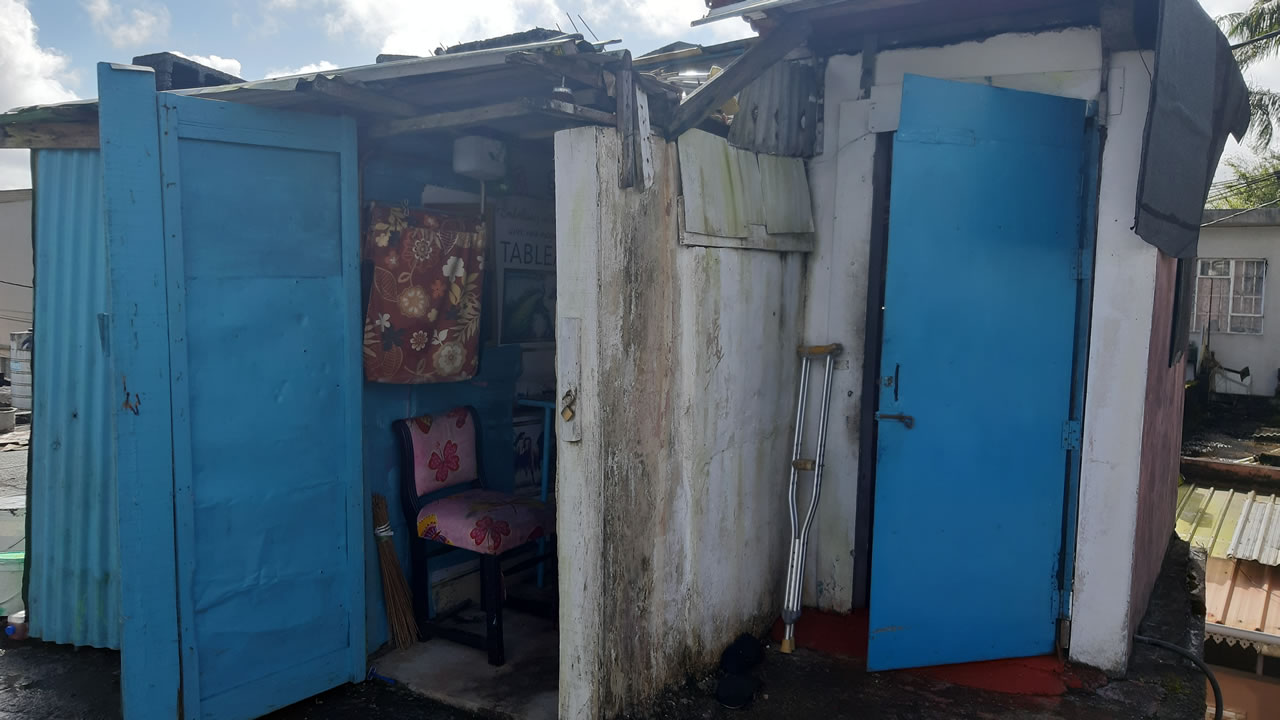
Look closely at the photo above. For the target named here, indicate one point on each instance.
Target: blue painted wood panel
(979, 325)
(138, 348)
(261, 225)
(232, 236)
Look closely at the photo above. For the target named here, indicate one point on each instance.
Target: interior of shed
(511, 394)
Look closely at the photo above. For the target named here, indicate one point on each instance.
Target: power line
(1256, 207)
(6, 282)
(1260, 38)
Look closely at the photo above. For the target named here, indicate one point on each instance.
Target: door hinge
(1071, 435)
(1064, 633)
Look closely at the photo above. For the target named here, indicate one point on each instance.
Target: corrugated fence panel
(74, 593)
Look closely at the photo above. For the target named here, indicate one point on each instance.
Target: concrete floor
(525, 688)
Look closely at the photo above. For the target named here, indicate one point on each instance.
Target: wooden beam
(569, 111)
(358, 96)
(556, 65)
(482, 115)
(449, 120)
(48, 136)
(1203, 471)
(737, 75)
(627, 133)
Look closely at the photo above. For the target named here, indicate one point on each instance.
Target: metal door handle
(907, 420)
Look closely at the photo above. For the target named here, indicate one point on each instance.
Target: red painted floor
(846, 636)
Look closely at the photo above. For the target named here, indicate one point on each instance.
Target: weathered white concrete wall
(672, 509)
(1123, 291)
(1260, 353)
(1066, 63)
(16, 268)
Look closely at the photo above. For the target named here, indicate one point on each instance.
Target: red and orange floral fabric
(423, 320)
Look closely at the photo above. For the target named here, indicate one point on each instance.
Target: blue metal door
(976, 366)
(251, 329)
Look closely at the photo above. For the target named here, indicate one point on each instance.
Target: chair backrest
(438, 451)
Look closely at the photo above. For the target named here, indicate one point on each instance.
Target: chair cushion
(444, 450)
(485, 521)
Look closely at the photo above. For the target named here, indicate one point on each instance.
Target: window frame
(1229, 312)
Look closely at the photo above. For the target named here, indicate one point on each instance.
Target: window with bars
(1229, 295)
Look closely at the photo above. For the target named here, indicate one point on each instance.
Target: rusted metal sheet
(778, 112)
(1242, 604)
(74, 593)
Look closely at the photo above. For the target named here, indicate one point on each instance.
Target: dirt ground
(40, 681)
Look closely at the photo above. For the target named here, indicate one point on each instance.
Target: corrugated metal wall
(74, 592)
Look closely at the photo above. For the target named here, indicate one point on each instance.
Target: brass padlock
(567, 401)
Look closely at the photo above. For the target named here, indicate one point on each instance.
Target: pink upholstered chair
(445, 499)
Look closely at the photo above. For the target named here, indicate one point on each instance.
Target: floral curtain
(423, 319)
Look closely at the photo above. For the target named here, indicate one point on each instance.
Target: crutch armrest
(821, 350)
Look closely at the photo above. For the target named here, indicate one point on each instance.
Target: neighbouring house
(15, 269)
(1238, 531)
(1230, 320)
(992, 206)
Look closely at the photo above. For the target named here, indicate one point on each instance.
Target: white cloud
(321, 66)
(414, 27)
(217, 62)
(128, 28)
(32, 75)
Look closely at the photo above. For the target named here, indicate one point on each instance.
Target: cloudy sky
(48, 48)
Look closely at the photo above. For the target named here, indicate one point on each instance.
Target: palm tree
(1259, 20)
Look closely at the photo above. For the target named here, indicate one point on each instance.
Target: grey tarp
(1198, 97)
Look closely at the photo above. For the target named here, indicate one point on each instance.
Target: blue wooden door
(260, 347)
(976, 366)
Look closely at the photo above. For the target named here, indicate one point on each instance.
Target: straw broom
(404, 629)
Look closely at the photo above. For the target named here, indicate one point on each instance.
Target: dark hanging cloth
(1198, 97)
(422, 324)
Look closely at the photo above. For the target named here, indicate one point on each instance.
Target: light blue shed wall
(74, 593)
(74, 543)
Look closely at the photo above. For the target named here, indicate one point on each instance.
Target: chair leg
(491, 599)
(420, 586)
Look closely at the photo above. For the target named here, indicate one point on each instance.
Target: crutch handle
(820, 350)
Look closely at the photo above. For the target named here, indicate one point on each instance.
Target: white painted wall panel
(1123, 293)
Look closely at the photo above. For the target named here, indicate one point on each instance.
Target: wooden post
(627, 133)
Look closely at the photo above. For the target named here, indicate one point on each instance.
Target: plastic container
(17, 628)
(10, 583)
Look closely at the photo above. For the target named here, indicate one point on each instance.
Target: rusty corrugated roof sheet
(1230, 524)
(1242, 604)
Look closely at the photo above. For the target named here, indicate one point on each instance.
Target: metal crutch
(800, 533)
